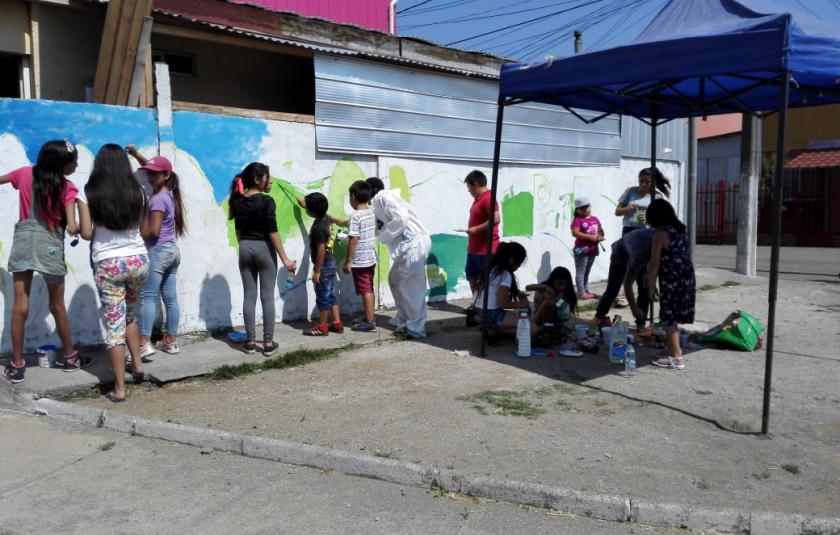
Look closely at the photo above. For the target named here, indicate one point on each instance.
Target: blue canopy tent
(695, 58)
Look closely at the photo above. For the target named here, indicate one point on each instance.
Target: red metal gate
(717, 212)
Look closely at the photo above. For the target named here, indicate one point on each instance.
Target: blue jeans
(164, 260)
(325, 289)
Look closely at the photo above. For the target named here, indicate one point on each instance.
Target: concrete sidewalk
(202, 353)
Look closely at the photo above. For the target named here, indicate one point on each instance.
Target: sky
(545, 27)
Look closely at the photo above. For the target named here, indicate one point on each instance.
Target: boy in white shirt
(361, 252)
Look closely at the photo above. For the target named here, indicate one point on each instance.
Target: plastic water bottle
(618, 342)
(523, 335)
(290, 280)
(630, 361)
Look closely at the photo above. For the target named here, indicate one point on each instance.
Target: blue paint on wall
(223, 145)
(35, 122)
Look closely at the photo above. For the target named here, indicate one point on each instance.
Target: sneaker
(356, 321)
(249, 348)
(76, 362)
(671, 363)
(586, 296)
(336, 327)
(365, 327)
(269, 347)
(146, 351)
(14, 374)
(318, 330)
(621, 302)
(172, 348)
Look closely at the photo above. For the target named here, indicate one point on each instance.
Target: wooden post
(106, 50)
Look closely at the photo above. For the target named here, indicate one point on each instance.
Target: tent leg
(778, 191)
(654, 118)
(497, 149)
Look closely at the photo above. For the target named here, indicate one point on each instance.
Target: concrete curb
(602, 507)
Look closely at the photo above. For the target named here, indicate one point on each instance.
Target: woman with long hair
(163, 224)
(47, 209)
(111, 217)
(503, 295)
(670, 261)
(255, 219)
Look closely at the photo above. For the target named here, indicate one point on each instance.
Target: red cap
(158, 164)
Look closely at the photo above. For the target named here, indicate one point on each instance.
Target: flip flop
(112, 397)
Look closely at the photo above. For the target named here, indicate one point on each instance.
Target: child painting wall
(536, 206)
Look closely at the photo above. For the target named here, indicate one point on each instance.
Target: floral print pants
(120, 282)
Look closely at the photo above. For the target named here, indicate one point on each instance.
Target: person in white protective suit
(409, 242)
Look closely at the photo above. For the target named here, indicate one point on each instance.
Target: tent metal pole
(497, 150)
(654, 119)
(691, 200)
(778, 191)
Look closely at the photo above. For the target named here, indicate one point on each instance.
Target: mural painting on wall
(210, 150)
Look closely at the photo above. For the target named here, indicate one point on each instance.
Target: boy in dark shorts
(361, 252)
(321, 242)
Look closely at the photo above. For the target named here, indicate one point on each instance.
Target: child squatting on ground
(503, 295)
(321, 240)
(554, 299)
(361, 252)
(588, 233)
(670, 261)
(47, 209)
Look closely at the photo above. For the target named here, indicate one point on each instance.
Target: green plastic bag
(740, 330)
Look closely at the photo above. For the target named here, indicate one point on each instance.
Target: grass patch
(506, 402)
(792, 468)
(724, 284)
(588, 307)
(439, 490)
(107, 446)
(299, 357)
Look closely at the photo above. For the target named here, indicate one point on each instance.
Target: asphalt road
(64, 478)
(820, 264)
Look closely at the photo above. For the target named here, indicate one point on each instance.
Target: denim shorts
(325, 289)
(495, 316)
(475, 265)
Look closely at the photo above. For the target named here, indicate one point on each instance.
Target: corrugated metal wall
(364, 107)
(671, 139)
(371, 14)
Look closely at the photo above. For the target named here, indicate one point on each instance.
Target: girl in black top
(254, 215)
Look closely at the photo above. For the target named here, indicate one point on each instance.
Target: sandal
(671, 363)
(112, 397)
(138, 378)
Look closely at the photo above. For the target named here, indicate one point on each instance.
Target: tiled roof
(815, 158)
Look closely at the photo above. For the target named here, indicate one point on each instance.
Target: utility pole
(746, 250)
(578, 41)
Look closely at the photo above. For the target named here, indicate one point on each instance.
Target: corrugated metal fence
(364, 107)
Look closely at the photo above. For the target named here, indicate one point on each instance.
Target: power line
(547, 40)
(543, 17)
(801, 3)
(442, 7)
(609, 36)
(483, 16)
(409, 8)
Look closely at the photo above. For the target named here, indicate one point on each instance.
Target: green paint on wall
(345, 173)
(399, 181)
(445, 264)
(518, 214)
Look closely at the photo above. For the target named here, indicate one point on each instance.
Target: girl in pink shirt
(588, 233)
(47, 210)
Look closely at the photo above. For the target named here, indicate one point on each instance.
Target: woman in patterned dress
(670, 260)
